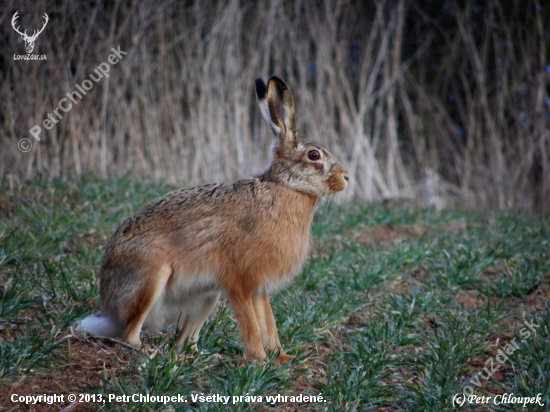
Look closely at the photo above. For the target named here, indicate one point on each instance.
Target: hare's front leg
(268, 327)
(242, 303)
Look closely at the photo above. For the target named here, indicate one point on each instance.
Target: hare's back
(185, 208)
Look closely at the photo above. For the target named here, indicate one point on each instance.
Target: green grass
(396, 309)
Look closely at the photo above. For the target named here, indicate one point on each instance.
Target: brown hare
(168, 263)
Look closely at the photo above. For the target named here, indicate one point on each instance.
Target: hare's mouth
(337, 182)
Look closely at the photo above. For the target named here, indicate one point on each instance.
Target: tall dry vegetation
(441, 102)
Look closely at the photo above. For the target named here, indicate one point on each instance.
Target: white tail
(99, 325)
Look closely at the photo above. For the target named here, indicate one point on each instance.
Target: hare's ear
(261, 96)
(277, 106)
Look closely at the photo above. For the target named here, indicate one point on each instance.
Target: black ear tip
(261, 89)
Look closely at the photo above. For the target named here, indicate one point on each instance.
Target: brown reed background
(445, 103)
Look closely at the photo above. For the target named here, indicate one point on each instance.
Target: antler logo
(29, 40)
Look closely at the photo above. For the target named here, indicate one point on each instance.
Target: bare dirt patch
(82, 363)
(385, 233)
(470, 299)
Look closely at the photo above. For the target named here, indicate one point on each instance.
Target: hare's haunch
(168, 263)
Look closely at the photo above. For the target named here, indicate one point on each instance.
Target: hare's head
(303, 166)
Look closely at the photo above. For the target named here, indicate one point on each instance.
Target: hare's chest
(276, 247)
(283, 269)
(283, 255)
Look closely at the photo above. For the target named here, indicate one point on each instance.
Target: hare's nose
(346, 177)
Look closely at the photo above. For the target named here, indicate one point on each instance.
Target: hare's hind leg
(149, 294)
(193, 322)
(268, 327)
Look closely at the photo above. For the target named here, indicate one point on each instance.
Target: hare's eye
(313, 155)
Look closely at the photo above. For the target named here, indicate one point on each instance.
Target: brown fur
(170, 261)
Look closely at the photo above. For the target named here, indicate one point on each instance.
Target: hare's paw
(284, 357)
